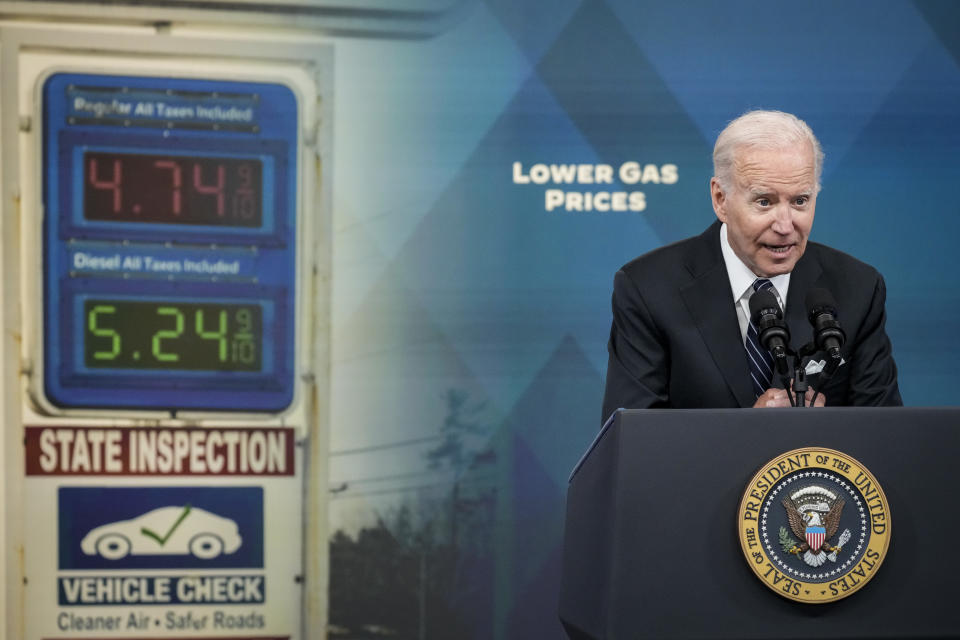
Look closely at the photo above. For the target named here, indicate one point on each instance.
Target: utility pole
(423, 593)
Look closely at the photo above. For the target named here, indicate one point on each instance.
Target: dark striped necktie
(761, 362)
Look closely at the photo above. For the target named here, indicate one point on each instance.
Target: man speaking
(683, 332)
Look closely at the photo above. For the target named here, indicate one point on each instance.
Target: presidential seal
(814, 525)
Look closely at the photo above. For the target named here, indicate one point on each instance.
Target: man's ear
(719, 199)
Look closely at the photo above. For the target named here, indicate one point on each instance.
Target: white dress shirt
(741, 283)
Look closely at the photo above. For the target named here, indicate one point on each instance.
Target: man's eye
(763, 202)
(802, 200)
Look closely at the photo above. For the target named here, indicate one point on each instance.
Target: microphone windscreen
(819, 300)
(763, 301)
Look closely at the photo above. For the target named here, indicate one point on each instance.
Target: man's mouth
(778, 248)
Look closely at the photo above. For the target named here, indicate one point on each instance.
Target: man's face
(769, 210)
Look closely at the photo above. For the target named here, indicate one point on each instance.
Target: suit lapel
(803, 277)
(709, 300)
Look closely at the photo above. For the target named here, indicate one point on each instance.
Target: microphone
(822, 314)
(774, 335)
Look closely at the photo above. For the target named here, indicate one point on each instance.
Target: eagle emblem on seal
(814, 516)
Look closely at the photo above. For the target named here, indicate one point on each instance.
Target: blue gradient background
(449, 276)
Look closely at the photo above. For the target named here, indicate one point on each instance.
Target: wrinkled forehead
(790, 167)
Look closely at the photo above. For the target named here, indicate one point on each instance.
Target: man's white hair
(763, 130)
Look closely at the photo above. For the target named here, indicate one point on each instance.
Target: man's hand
(774, 397)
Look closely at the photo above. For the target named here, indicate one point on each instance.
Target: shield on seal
(815, 536)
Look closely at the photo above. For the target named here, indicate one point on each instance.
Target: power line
(376, 492)
(388, 445)
(350, 494)
(398, 476)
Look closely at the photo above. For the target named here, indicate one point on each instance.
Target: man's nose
(782, 219)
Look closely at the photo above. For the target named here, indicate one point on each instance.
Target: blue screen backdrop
(470, 322)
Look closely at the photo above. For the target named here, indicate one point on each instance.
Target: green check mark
(163, 540)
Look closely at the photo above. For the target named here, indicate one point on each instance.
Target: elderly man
(681, 332)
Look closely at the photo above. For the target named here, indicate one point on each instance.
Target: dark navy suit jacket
(675, 339)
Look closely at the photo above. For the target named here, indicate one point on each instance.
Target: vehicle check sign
(162, 555)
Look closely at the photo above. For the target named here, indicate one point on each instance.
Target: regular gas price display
(170, 243)
(172, 189)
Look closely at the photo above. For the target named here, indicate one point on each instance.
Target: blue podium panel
(170, 243)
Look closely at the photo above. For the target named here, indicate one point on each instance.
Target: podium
(651, 547)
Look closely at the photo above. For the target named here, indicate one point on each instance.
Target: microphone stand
(799, 384)
(786, 379)
(801, 358)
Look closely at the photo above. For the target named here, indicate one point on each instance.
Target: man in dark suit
(681, 333)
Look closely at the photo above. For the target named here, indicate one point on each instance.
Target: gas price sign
(170, 237)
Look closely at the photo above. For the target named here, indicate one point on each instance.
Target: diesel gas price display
(172, 335)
